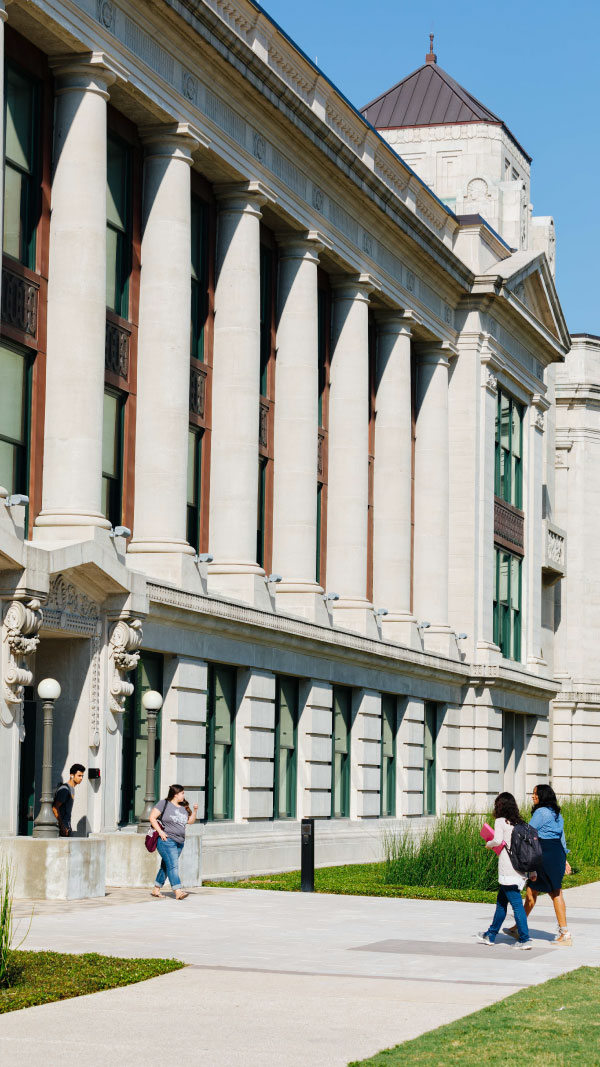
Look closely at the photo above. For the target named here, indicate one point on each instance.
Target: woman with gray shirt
(174, 814)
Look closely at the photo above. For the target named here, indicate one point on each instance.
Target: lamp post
(152, 703)
(44, 824)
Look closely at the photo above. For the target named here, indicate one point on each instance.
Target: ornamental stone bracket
(20, 639)
(554, 563)
(124, 642)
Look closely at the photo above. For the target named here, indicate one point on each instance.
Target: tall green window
(148, 675)
(340, 752)
(286, 725)
(112, 457)
(508, 481)
(220, 743)
(194, 486)
(199, 276)
(261, 510)
(266, 315)
(429, 759)
(14, 419)
(21, 172)
(118, 226)
(507, 604)
(388, 755)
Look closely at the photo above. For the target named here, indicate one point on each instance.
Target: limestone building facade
(276, 439)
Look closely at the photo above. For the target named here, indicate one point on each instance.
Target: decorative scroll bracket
(124, 641)
(22, 622)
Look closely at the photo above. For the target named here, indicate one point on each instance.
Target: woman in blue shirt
(548, 821)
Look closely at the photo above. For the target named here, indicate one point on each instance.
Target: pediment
(526, 277)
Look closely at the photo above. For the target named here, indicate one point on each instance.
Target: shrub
(582, 830)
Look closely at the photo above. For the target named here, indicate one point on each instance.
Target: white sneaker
(523, 945)
(483, 939)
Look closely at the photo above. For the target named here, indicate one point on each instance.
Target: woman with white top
(510, 881)
(548, 821)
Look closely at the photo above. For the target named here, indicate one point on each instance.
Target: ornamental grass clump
(449, 854)
(582, 829)
(6, 923)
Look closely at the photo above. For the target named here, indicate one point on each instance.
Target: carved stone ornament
(259, 146)
(538, 419)
(20, 634)
(106, 14)
(124, 642)
(318, 198)
(491, 382)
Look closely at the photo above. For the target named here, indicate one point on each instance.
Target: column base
(64, 528)
(353, 613)
(399, 627)
(239, 581)
(301, 598)
(172, 562)
(440, 640)
(488, 652)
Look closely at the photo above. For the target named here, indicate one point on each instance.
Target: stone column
(235, 397)
(296, 428)
(71, 501)
(159, 544)
(432, 466)
(392, 488)
(348, 481)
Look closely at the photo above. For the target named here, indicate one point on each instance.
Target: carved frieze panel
(321, 455)
(19, 302)
(263, 426)
(116, 349)
(69, 609)
(555, 551)
(509, 527)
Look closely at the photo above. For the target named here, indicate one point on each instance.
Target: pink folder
(487, 834)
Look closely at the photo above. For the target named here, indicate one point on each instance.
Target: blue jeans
(508, 895)
(169, 852)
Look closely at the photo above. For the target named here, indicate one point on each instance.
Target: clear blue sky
(534, 63)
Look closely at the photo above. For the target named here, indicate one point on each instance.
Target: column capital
(244, 197)
(440, 352)
(173, 140)
(3, 6)
(353, 286)
(395, 322)
(308, 244)
(86, 72)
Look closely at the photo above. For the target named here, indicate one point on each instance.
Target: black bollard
(307, 855)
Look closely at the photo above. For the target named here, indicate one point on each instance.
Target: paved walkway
(280, 979)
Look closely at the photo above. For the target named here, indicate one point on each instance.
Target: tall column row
(75, 374)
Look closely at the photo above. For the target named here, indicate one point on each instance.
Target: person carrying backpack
(548, 822)
(510, 880)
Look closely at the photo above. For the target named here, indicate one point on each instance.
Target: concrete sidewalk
(281, 979)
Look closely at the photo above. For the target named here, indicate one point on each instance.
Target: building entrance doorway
(148, 675)
(27, 767)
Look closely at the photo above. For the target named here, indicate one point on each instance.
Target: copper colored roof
(429, 97)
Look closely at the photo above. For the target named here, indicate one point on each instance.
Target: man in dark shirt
(62, 805)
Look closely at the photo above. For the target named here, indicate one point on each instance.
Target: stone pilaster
(314, 750)
(365, 755)
(409, 751)
(71, 500)
(531, 605)
(432, 467)
(235, 397)
(348, 443)
(255, 746)
(296, 428)
(392, 489)
(159, 544)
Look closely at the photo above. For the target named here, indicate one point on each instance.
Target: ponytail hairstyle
(506, 807)
(173, 791)
(546, 799)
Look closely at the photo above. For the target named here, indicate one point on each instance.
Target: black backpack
(525, 851)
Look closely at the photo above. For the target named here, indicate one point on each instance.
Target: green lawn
(548, 1025)
(40, 977)
(367, 880)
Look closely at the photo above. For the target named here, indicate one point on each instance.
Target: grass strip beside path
(366, 880)
(41, 977)
(554, 1023)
